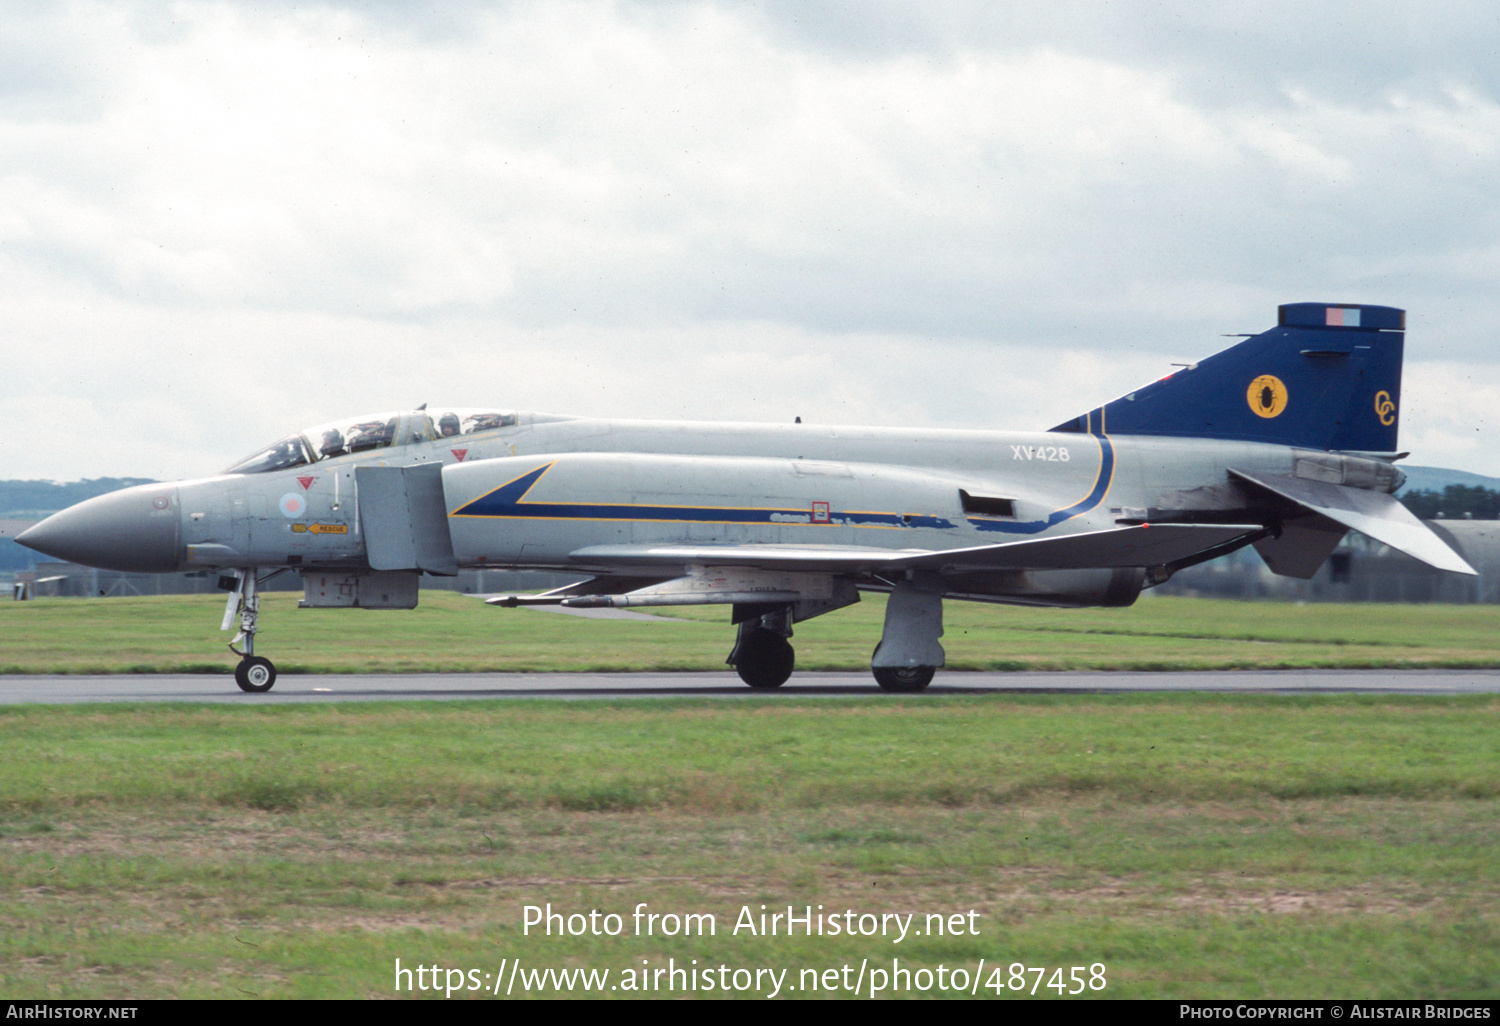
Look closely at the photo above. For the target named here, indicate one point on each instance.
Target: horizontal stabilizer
(1140, 545)
(1373, 514)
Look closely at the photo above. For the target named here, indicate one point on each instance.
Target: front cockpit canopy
(372, 431)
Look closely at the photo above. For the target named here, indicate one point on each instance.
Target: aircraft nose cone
(135, 530)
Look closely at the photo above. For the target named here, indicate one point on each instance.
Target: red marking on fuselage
(460, 453)
(306, 482)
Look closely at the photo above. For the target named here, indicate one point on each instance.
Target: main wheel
(255, 674)
(903, 678)
(765, 660)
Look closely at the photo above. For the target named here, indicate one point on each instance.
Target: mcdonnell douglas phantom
(1284, 441)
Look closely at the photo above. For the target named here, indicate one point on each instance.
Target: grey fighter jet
(1284, 441)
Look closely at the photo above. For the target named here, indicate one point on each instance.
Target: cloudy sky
(220, 222)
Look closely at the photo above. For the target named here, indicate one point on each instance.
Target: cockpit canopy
(372, 431)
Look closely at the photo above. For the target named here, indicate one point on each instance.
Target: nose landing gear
(254, 673)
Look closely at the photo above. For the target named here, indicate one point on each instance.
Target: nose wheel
(255, 673)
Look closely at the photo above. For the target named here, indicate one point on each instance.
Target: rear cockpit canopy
(372, 431)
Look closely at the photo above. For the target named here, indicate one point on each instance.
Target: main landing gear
(903, 678)
(254, 673)
(762, 655)
(906, 660)
(909, 652)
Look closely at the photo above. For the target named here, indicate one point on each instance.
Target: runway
(68, 689)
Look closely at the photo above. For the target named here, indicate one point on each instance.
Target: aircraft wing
(1138, 545)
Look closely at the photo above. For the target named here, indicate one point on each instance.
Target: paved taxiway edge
(72, 689)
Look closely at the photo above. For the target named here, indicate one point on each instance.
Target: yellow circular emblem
(1266, 396)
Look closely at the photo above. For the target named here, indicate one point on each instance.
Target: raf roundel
(1266, 396)
(293, 505)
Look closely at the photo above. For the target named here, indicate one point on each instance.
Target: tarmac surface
(72, 689)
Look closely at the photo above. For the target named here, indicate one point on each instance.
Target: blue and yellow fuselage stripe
(1102, 481)
(509, 502)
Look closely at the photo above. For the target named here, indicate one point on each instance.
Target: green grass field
(456, 633)
(1196, 846)
(1231, 846)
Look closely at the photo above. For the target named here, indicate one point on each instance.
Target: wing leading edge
(1143, 545)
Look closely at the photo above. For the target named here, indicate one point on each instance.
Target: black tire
(903, 678)
(765, 660)
(255, 674)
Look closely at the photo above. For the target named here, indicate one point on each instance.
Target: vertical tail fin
(1328, 376)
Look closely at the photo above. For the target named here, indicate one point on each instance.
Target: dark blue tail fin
(1327, 376)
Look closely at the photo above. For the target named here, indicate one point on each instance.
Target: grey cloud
(1225, 53)
(1121, 180)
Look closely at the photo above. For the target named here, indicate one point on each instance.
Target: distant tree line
(1456, 502)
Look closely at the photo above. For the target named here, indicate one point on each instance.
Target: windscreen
(289, 452)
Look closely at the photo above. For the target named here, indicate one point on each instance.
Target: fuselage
(597, 482)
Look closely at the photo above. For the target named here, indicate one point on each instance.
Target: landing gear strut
(254, 673)
(909, 652)
(762, 656)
